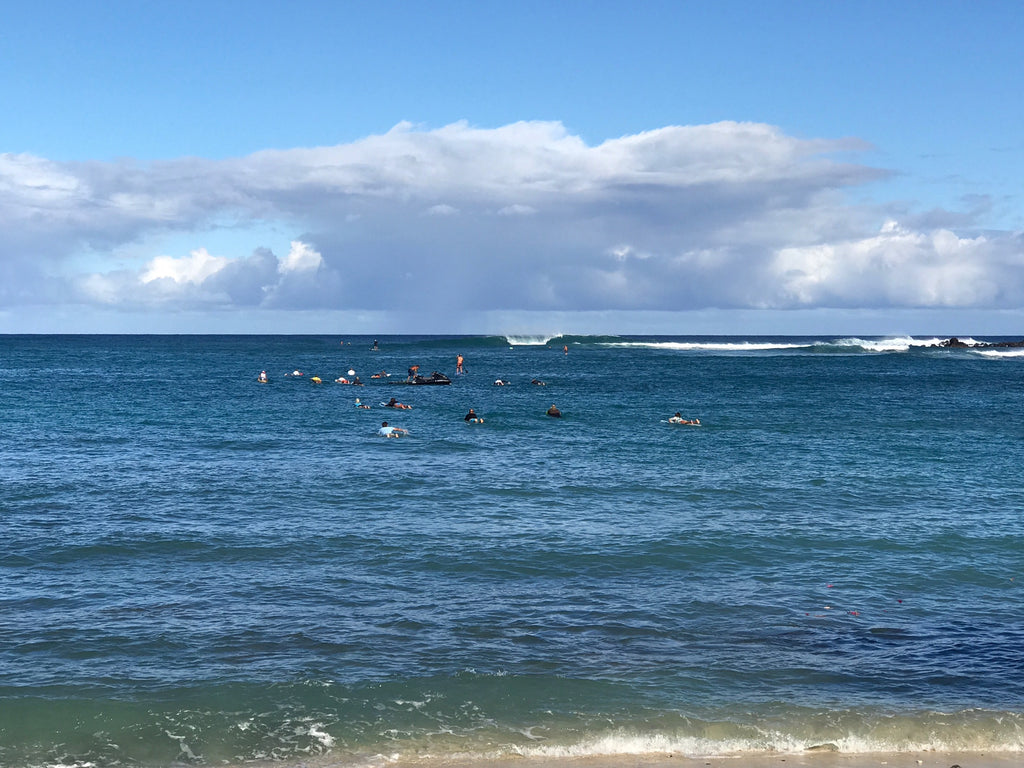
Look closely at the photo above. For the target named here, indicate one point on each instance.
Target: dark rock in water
(955, 343)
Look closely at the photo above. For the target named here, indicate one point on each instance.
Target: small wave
(711, 346)
(969, 731)
(892, 344)
(999, 354)
(316, 730)
(530, 340)
(558, 340)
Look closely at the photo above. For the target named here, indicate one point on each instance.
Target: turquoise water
(200, 568)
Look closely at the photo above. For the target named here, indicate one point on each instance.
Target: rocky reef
(955, 343)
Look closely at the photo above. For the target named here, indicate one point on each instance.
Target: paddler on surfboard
(678, 419)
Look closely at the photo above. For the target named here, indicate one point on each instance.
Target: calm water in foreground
(199, 568)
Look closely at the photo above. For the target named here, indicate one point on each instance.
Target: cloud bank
(525, 217)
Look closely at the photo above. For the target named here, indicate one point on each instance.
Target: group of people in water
(297, 374)
(474, 418)
(386, 430)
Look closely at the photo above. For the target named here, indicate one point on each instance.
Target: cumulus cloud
(195, 269)
(901, 267)
(301, 258)
(521, 217)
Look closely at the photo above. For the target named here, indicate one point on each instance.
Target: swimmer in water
(386, 431)
(554, 412)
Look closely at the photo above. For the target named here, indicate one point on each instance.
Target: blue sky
(662, 167)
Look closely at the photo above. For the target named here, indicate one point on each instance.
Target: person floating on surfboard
(678, 419)
(554, 412)
(386, 431)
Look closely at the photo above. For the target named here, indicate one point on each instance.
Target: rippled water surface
(197, 567)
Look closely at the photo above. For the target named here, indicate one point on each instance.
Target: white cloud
(896, 267)
(301, 258)
(729, 215)
(442, 210)
(625, 252)
(28, 183)
(198, 266)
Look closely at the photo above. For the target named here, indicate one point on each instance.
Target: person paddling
(386, 431)
(678, 419)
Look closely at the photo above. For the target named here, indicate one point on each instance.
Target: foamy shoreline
(810, 759)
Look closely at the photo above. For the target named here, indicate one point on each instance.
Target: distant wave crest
(530, 340)
(892, 344)
(711, 346)
(999, 354)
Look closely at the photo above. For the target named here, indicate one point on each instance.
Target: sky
(383, 167)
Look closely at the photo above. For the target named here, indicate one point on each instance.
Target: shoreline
(807, 759)
(811, 758)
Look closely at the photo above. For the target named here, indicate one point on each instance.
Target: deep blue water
(200, 568)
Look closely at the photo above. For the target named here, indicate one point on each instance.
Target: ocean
(197, 568)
